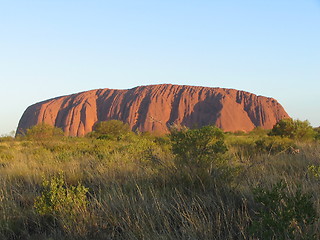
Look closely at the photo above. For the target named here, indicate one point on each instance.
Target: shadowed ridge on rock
(154, 107)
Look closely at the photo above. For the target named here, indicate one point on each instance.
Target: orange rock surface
(155, 107)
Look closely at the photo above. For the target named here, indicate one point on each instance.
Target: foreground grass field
(139, 186)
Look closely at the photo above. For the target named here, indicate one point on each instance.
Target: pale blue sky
(50, 48)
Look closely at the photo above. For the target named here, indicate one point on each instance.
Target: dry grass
(136, 192)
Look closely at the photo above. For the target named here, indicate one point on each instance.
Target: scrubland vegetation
(191, 184)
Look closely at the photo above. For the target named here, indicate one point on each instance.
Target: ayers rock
(155, 107)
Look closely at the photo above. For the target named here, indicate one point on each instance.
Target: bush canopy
(294, 129)
(112, 129)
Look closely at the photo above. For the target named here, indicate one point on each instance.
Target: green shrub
(110, 130)
(282, 215)
(294, 129)
(274, 145)
(43, 131)
(66, 204)
(242, 147)
(247, 148)
(200, 148)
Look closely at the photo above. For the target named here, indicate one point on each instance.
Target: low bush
(110, 130)
(65, 204)
(282, 214)
(199, 155)
(201, 147)
(246, 148)
(43, 132)
(294, 129)
(275, 145)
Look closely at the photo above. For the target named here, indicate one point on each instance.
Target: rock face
(153, 108)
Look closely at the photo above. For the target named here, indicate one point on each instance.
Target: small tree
(198, 147)
(294, 129)
(113, 129)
